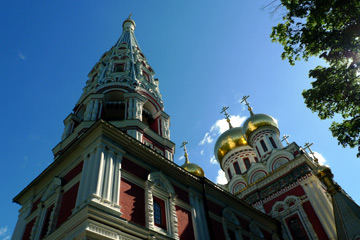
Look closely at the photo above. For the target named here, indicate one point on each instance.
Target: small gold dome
(227, 141)
(130, 21)
(256, 121)
(193, 169)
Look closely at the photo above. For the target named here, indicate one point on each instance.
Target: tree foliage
(329, 29)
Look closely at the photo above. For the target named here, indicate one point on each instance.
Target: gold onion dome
(256, 121)
(227, 141)
(193, 169)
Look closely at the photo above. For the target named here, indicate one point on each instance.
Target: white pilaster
(21, 223)
(115, 197)
(321, 205)
(88, 110)
(95, 110)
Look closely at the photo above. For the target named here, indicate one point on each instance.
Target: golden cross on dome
(244, 99)
(285, 137)
(185, 151)
(227, 116)
(308, 145)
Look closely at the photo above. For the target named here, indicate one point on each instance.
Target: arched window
(237, 168)
(296, 229)
(114, 109)
(272, 142)
(119, 67)
(159, 213)
(160, 199)
(247, 163)
(263, 145)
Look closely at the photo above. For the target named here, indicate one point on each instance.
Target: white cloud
(207, 139)
(213, 160)
(320, 157)
(21, 55)
(6, 238)
(181, 157)
(202, 152)
(221, 179)
(221, 126)
(3, 230)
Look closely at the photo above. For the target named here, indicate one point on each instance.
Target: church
(114, 176)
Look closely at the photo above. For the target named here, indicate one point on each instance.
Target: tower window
(272, 142)
(258, 152)
(159, 213)
(237, 168)
(247, 163)
(120, 67)
(263, 145)
(229, 174)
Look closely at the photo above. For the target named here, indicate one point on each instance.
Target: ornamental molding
(271, 177)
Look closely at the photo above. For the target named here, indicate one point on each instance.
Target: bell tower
(122, 90)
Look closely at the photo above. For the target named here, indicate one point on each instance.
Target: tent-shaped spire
(124, 65)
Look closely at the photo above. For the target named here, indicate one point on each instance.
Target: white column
(138, 109)
(88, 110)
(115, 198)
(95, 110)
(321, 205)
(108, 175)
(174, 220)
(200, 217)
(99, 173)
(21, 223)
(83, 183)
(130, 108)
(149, 205)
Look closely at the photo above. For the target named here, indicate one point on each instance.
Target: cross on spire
(285, 137)
(244, 99)
(185, 151)
(227, 116)
(307, 145)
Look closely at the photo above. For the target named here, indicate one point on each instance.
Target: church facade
(113, 175)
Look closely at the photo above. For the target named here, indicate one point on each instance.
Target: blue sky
(205, 54)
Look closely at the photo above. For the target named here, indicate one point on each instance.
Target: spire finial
(307, 145)
(227, 116)
(127, 26)
(244, 99)
(185, 151)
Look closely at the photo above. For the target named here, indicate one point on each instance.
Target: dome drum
(228, 141)
(257, 121)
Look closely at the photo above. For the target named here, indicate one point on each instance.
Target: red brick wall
(132, 202)
(316, 224)
(28, 229)
(46, 221)
(213, 207)
(297, 191)
(185, 226)
(243, 223)
(67, 204)
(35, 205)
(217, 230)
(73, 172)
(134, 169)
(182, 194)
